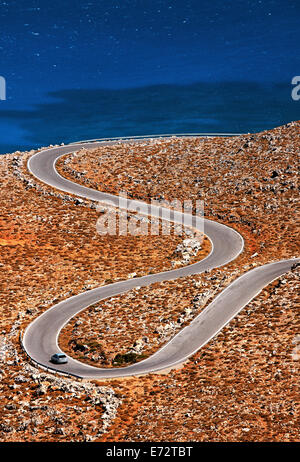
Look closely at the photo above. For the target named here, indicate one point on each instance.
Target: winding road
(40, 339)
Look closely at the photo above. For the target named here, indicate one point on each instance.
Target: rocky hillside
(243, 385)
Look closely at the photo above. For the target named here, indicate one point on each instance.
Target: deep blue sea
(89, 69)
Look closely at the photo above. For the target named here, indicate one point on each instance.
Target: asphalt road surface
(40, 339)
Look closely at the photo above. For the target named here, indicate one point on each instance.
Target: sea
(78, 70)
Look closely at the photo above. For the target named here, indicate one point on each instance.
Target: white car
(59, 358)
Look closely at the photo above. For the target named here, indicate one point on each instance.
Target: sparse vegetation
(242, 386)
(127, 358)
